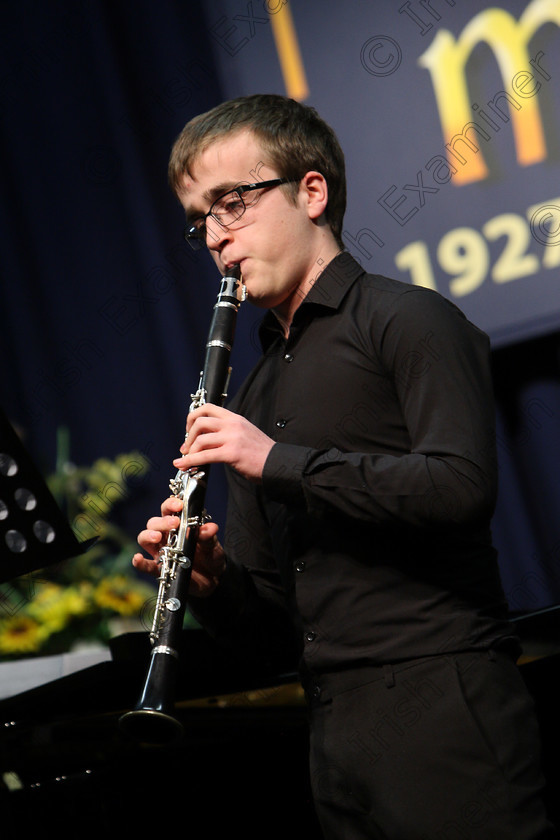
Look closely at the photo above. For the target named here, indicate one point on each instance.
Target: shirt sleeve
(446, 475)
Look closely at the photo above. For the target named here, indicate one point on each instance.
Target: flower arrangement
(86, 600)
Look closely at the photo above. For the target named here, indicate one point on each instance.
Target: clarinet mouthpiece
(234, 272)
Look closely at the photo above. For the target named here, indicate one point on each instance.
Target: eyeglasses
(227, 209)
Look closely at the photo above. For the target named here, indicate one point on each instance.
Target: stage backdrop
(448, 115)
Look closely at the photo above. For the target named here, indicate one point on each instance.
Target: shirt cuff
(282, 477)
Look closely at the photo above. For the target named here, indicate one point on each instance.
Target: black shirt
(369, 535)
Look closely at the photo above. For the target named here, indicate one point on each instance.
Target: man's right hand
(209, 560)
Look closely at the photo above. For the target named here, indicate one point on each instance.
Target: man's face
(274, 242)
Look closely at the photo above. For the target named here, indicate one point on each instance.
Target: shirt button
(288, 358)
(281, 423)
(300, 566)
(310, 636)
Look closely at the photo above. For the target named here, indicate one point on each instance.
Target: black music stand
(34, 533)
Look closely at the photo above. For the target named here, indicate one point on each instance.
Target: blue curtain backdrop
(104, 309)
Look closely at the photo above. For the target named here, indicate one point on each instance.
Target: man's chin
(256, 299)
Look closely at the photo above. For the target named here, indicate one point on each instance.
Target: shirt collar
(328, 290)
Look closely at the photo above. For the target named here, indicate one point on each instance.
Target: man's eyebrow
(219, 189)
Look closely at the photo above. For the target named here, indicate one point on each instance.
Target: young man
(362, 484)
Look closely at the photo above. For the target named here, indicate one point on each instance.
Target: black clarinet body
(152, 720)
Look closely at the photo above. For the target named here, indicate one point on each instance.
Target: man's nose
(216, 235)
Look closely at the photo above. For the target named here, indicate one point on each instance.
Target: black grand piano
(239, 767)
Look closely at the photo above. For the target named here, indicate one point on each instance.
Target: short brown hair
(293, 135)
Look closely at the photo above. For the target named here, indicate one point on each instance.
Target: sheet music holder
(34, 533)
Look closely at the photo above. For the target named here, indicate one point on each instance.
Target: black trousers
(445, 748)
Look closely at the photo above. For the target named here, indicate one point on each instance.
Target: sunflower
(121, 596)
(22, 634)
(55, 606)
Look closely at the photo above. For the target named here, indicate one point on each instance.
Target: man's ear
(316, 193)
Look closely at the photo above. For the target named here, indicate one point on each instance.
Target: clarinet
(152, 720)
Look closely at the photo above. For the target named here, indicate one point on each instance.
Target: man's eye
(230, 204)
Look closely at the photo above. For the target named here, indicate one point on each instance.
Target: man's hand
(216, 435)
(209, 560)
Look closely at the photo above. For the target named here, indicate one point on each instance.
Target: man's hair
(293, 137)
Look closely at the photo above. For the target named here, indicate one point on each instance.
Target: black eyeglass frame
(196, 236)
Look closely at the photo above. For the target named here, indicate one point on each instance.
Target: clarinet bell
(150, 726)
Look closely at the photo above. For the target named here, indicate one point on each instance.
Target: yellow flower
(21, 634)
(55, 605)
(121, 595)
(104, 470)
